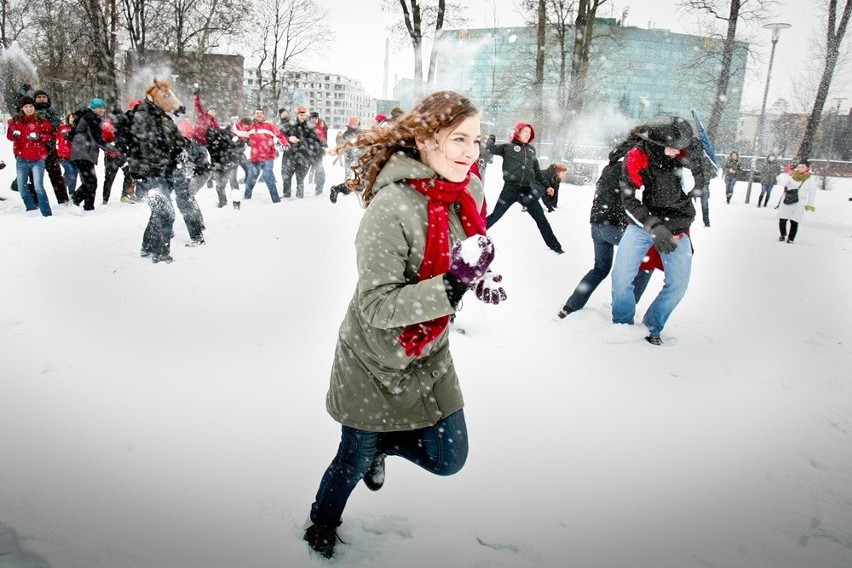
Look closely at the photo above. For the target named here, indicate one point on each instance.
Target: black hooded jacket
(646, 166)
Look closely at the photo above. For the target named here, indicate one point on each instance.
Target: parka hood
(518, 128)
(401, 166)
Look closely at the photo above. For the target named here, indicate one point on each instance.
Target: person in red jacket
(261, 136)
(30, 135)
(204, 119)
(63, 152)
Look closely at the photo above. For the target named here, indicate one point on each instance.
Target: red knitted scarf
(436, 257)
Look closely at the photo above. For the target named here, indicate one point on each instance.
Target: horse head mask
(160, 93)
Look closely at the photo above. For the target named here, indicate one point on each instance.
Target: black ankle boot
(322, 539)
(374, 479)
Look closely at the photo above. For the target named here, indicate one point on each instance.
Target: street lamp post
(776, 31)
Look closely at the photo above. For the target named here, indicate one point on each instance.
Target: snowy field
(172, 416)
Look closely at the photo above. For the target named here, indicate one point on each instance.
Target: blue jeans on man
(70, 174)
(605, 237)
(765, 193)
(440, 449)
(730, 182)
(677, 266)
(264, 168)
(24, 167)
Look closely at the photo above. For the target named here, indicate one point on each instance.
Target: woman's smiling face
(453, 150)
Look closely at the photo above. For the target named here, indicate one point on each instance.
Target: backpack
(123, 123)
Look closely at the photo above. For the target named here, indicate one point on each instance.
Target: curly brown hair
(442, 109)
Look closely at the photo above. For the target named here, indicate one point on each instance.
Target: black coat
(663, 197)
(520, 163)
(309, 146)
(607, 207)
(224, 148)
(156, 143)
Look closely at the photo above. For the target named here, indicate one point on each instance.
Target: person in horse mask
(155, 146)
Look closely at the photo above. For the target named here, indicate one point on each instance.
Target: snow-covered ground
(172, 416)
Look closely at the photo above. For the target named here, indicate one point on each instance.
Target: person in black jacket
(155, 148)
(769, 172)
(608, 221)
(520, 172)
(552, 176)
(225, 150)
(659, 222)
(86, 143)
(304, 148)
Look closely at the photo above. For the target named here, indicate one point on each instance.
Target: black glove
(455, 289)
(25, 88)
(33, 136)
(2, 164)
(16, 134)
(664, 241)
(196, 88)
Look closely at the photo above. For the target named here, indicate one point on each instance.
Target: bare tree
(288, 29)
(538, 82)
(731, 12)
(99, 31)
(11, 25)
(835, 31)
(423, 19)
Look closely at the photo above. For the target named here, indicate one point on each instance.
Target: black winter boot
(374, 479)
(322, 539)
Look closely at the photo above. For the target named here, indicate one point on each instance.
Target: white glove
(16, 133)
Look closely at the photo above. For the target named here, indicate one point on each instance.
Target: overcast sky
(360, 30)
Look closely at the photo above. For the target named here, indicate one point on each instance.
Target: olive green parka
(374, 385)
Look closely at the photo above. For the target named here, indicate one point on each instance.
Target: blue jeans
(70, 174)
(24, 167)
(730, 182)
(268, 177)
(765, 190)
(605, 238)
(677, 266)
(440, 449)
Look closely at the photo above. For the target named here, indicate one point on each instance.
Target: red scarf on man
(436, 257)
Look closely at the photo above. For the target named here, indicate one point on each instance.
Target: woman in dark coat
(86, 143)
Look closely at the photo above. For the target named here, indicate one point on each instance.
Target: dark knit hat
(25, 100)
(314, 115)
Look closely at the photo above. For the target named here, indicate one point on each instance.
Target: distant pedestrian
(732, 172)
(800, 190)
(769, 172)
